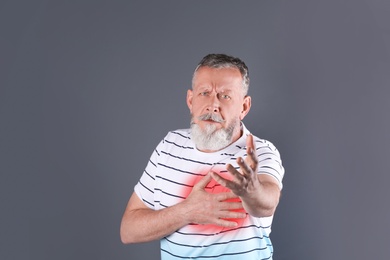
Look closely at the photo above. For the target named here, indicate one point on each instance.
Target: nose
(214, 105)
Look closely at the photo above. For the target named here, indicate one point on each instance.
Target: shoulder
(259, 142)
(265, 144)
(179, 138)
(179, 134)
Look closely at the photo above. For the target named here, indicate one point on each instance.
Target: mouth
(211, 118)
(210, 121)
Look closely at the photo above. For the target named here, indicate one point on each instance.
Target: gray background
(88, 89)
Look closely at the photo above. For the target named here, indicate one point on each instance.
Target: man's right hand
(202, 207)
(142, 224)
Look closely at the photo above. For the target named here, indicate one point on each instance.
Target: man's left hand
(245, 182)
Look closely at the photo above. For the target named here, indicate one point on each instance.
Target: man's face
(218, 92)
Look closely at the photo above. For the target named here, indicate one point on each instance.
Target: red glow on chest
(212, 187)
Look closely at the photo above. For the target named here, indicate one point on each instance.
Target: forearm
(143, 224)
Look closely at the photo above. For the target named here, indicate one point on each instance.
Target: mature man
(209, 192)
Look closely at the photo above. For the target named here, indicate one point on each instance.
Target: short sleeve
(145, 188)
(269, 160)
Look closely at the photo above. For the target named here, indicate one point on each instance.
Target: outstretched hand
(245, 183)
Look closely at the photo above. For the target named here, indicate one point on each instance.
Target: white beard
(210, 138)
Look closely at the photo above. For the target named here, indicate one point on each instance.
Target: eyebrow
(221, 89)
(204, 87)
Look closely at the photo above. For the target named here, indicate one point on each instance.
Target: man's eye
(223, 96)
(205, 93)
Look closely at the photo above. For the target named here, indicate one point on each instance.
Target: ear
(189, 99)
(246, 106)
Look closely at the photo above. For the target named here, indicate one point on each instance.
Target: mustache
(211, 116)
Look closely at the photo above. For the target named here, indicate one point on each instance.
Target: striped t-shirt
(173, 169)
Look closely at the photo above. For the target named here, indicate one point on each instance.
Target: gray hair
(225, 61)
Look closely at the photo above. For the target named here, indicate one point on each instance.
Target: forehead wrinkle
(218, 89)
(228, 82)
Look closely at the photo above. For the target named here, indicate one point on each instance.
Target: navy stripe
(169, 194)
(269, 167)
(258, 155)
(162, 205)
(235, 167)
(153, 163)
(149, 175)
(182, 184)
(147, 202)
(146, 187)
(268, 173)
(219, 163)
(223, 171)
(172, 168)
(264, 147)
(257, 147)
(187, 137)
(185, 159)
(269, 158)
(264, 153)
(180, 146)
(159, 202)
(223, 231)
(227, 154)
(216, 244)
(226, 254)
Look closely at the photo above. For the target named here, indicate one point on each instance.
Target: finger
(245, 168)
(250, 143)
(232, 215)
(251, 158)
(226, 223)
(237, 175)
(231, 205)
(203, 182)
(226, 196)
(224, 182)
(218, 178)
